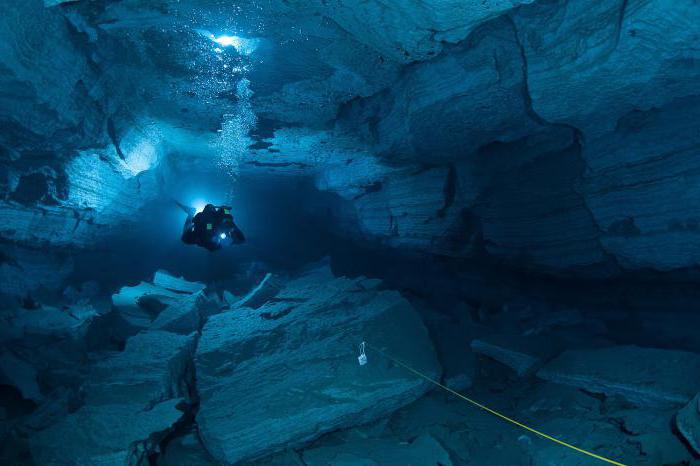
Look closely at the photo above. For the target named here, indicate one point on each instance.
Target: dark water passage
(471, 232)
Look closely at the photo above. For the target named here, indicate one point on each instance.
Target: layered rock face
(479, 139)
(286, 372)
(555, 134)
(568, 157)
(549, 135)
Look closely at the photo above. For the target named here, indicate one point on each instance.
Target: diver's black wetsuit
(212, 228)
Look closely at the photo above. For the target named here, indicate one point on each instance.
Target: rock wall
(555, 136)
(572, 130)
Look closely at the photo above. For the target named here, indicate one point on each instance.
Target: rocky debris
(522, 354)
(644, 376)
(424, 450)
(688, 423)
(131, 400)
(169, 303)
(296, 357)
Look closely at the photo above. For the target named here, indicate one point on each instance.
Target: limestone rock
(186, 450)
(688, 423)
(169, 303)
(152, 367)
(296, 357)
(131, 401)
(412, 31)
(186, 314)
(139, 305)
(19, 374)
(644, 376)
(71, 321)
(25, 270)
(523, 355)
(107, 435)
(262, 293)
(165, 280)
(422, 451)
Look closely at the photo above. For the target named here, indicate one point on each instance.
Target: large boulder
(644, 376)
(131, 403)
(283, 374)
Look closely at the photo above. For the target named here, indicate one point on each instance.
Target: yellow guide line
(494, 412)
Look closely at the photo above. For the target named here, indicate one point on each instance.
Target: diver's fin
(188, 210)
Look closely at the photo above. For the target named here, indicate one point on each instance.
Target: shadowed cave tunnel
(502, 195)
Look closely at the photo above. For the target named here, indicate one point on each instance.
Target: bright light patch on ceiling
(228, 40)
(241, 44)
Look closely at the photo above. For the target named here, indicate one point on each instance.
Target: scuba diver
(212, 228)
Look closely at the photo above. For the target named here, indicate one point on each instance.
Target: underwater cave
(345, 232)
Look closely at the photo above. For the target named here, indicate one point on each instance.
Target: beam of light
(199, 205)
(222, 236)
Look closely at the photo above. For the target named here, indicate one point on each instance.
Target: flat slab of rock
(172, 299)
(688, 423)
(177, 284)
(282, 375)
(522, 354)
(139, 305)
(644, 376)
